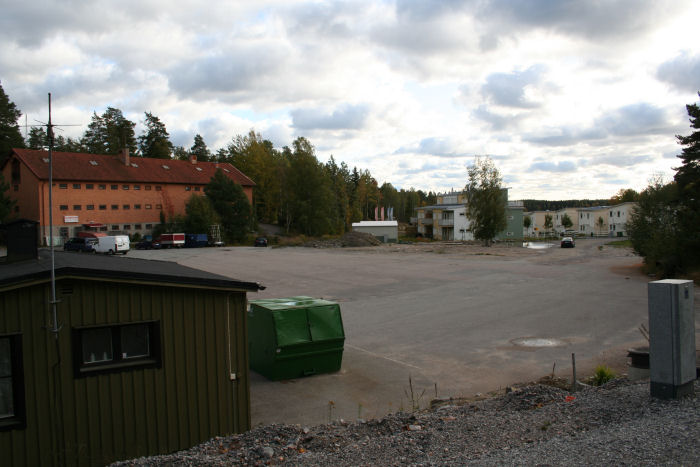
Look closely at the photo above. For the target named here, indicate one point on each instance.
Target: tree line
(293, 188)
(665, 229)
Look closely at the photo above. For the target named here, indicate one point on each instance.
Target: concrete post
(671, 338)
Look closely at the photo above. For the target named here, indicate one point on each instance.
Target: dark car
(80, 244)
(148, 244)
(568, 242)
(261, 241)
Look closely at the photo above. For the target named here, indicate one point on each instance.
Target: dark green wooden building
(150, 357)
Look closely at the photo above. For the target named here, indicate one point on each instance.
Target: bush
(602, 375)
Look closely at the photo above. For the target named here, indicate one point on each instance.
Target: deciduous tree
(566, 221)
(231, 204)
(485, 200)
(199, 214)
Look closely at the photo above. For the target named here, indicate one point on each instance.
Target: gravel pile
(534, 425)
(350, 239)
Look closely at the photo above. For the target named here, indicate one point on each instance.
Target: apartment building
(593, 220)
(559, 216)
(618, 216)
(105, 192)
(447, 219)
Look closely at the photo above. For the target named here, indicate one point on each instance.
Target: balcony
(425, 221)
(446, 222)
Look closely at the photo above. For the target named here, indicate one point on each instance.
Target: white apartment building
(618, 217)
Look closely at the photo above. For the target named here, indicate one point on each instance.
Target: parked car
(568, 242)
(112, 244)
(80, 244)
(260, 241)
(148, 244)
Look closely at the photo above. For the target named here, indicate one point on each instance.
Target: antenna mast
(49, 133)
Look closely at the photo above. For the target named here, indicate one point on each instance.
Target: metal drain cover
(538, 342)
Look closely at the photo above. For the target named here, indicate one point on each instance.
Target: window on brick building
(77, 207)
(103, 207)
(16, 171)
(63, 207)
(76, 186)
(115, 207)
(89, 186)
(90, 207)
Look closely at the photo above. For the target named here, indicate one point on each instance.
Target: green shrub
(602, 375)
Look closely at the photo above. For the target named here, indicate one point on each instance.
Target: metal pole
(49, 132)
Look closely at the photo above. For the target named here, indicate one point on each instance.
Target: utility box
(294, 337)
(671, 338)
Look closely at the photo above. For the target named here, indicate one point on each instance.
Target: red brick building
(110, 193)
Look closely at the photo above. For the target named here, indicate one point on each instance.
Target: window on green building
(116, 348)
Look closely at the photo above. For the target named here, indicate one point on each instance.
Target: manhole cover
(538, 342)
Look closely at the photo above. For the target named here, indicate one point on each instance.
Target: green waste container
(294, 337)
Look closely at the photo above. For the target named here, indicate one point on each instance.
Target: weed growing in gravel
(602, 375)
(331, 404)
(415, 401)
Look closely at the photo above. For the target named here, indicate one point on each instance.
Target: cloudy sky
(570, 98)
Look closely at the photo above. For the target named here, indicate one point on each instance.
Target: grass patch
(620, 244)
(602, 375)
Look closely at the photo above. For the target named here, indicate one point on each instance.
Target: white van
(112, 244)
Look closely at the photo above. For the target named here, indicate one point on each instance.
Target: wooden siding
(96, 419)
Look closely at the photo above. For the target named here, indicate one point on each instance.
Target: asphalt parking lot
(453, 319)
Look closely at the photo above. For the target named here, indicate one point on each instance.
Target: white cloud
(410, 90)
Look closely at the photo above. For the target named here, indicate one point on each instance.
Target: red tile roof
(73, 166)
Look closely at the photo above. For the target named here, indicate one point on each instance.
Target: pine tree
(10, 136)
(200, 150)
(688, 180)
(155, 142)
(109, 133)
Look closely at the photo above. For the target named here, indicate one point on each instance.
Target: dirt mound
(350, 239)
(359, 239)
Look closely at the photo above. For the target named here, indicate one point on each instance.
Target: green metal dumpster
(294, 337)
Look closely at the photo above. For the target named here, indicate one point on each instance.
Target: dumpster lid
(303, 319)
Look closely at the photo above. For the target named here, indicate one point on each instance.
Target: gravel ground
(618, 423)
